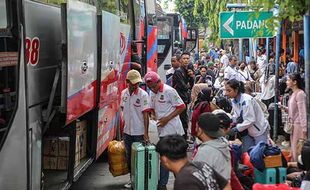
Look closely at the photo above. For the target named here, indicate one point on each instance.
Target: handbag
(288, 126)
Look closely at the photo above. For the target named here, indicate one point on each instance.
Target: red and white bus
(62, 69)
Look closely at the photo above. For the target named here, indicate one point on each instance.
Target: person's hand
(232, 132)
(146, 137)
(162, 122)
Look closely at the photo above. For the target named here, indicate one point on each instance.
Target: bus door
(164, 45)
(80, 79)
(109, 74)
(13, 99)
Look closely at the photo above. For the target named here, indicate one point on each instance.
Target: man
(135, 106)
(231, 71)
(166, 105)
(183, 81)
(188, 176)
(261, 60)
(224, 58)
(175, 63)
(214, 149)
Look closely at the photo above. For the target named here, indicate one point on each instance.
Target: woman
(203, 77)
(244, 73)
(247, 115)
(267, 82)
(296, 112)
(201, 105)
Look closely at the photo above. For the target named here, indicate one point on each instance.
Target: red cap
(151, 76)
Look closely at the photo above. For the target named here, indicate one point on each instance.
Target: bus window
(3, 15)
(124, 12)
(108, 5)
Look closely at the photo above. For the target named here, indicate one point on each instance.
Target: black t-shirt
(198, 176)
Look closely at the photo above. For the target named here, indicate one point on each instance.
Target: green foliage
(109, 6)
(292, 10)
(211, 10)
(193, 17)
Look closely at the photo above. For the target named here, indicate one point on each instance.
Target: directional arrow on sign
(226, 25)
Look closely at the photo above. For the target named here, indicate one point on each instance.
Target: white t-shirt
(133, 107)
(231, 73)
(164, 103)
(268, 88)
(261, 62)
(224, 59)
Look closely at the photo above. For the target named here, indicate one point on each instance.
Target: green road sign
(244, 25)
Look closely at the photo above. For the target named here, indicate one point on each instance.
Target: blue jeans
(248, 141)
(164, 175)
(128, 140)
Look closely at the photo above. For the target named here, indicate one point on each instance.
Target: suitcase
(144, 166)
(270, 176)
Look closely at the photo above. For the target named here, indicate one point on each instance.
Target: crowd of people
(214, 107)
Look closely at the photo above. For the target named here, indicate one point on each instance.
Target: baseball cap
(134, 76)
(225, 120)
(210, 124)
(151, 76)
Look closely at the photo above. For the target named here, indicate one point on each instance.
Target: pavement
(98, 176)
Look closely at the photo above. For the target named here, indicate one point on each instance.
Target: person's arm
(179, 105)
(135, 65)
(248, 116)
(301, 105)
(164, 120)
(221, 181)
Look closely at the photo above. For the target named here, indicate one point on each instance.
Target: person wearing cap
(166, 105)
(214, 149)
(135, 107)
(224, 58)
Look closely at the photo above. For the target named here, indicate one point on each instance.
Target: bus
(173, 37)
(63, 65)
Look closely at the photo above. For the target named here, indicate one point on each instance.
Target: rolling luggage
(270, 176)
(144, 166)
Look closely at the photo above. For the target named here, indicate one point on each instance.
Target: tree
(193, 19)
(292, 10)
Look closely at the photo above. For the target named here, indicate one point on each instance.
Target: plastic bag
(117, 158)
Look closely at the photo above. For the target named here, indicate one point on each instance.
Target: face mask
(221, 74)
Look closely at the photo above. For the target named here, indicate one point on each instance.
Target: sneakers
(128, 185)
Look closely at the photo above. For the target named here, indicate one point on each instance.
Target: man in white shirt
(166, 105)
(224, 58)
(231, 71)
(175, 64)
(135, 106)
(261, 60)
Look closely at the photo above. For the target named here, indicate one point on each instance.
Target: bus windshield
(3, 15)
(164, 37)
